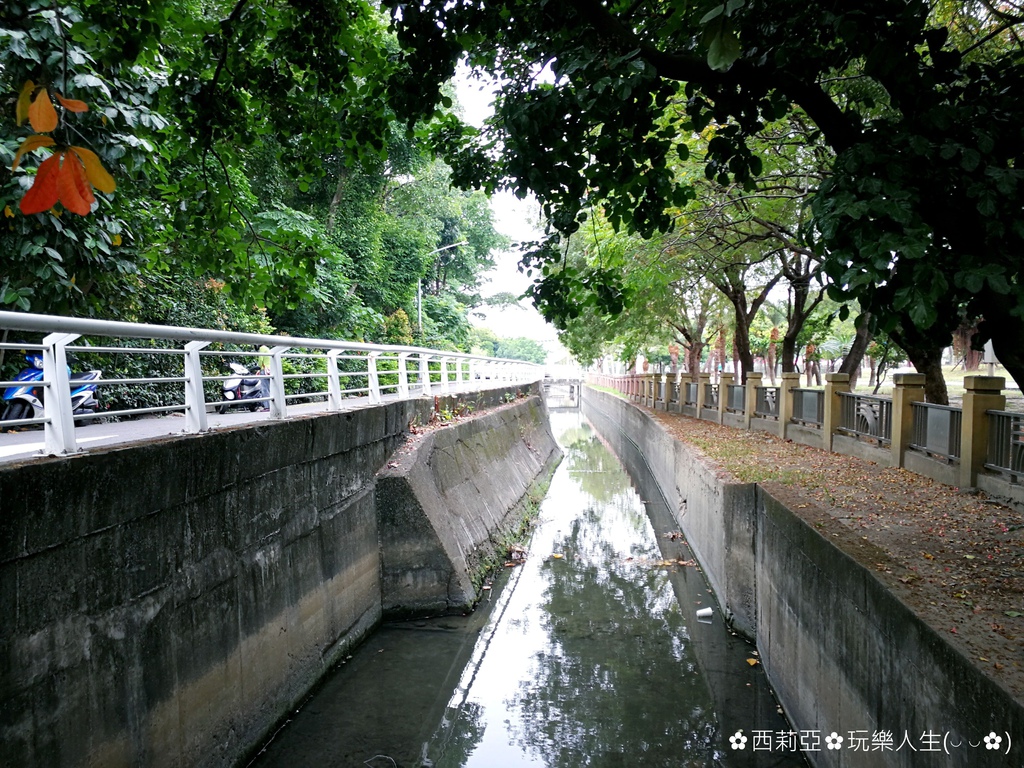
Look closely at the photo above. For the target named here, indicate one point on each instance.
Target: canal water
(590, 653)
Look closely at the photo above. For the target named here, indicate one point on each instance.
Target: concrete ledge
(765, 425)
(936, 469)
(861, 449)
(1001, 489)
(810, 436)
(710, 414)
(735, 420)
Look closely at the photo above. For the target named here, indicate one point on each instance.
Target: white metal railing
(342, 368)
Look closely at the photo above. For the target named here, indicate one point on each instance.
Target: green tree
(917, 100)
(520, 348)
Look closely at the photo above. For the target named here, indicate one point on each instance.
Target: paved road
(28, 443)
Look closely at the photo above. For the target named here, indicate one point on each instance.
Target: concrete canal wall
(166, 604)
(444, 508)
(842, 652)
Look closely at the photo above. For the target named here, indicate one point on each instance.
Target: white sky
(516, 220)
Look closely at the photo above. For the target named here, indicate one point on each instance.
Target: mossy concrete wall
(842, 652)
(166, 604)
(444, 506)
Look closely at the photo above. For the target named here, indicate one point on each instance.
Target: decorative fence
(736, 398)
(942, 441)
(937, 430)
(866, 416)
(691, 393)
(808, 406)
(710, 396)
(299, 370)
(1006, 444)
(767, 403)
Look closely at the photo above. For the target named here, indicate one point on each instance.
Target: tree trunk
(339, 192)
(927, 359)
(1003, 328)
(742, 340)
(855, 357)
(790, 353)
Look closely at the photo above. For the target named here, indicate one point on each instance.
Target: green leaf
(714, 13)
(725, 48)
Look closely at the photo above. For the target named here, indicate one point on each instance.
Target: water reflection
(590, 655)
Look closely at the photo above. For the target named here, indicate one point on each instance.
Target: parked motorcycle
(25, 401)
(239, 388)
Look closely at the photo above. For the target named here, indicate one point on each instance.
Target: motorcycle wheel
(222, 408)
(253, 407)
(17, 409)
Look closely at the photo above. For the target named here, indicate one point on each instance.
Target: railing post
(724, 382)
(459, 362)
(59, 432)
(278, 404)
(373, 379)
(787, 383)
(907, 388)
(982, 393)
(424, 374)
(703, 382)
(834, 384)
(333, 381)
(750, 397)
(195, 396)
(444, 374)
(403, 376)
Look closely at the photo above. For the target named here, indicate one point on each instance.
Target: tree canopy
(258, 165)
(917, 102)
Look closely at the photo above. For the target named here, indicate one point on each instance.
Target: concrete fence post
(724, 382)
(789, 382)
(834, 384)
(750, 400)
(703, 382)
(983, 393)
(907, 388)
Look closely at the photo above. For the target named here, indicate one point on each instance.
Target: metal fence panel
(866, 416)
(767, 406)
(809, 406)
(737, 398)
(1006, 444)
(936, 430)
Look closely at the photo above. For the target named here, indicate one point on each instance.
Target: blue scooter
(26, 400)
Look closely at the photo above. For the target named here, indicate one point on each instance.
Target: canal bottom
(588, 654)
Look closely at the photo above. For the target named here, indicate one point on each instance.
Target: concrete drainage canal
(590, 652)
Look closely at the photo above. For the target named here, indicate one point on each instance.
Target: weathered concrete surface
(841, 651)
(166, 604)
(861, 449)
(444, 505)
(937, 469)
(805, 435)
